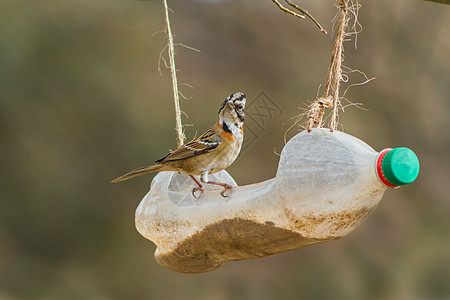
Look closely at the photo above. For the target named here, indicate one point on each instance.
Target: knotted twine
(331, 97)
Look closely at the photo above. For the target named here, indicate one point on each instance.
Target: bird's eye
(239, 107)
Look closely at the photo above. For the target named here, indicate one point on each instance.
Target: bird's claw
(226, 188)
(196, 189)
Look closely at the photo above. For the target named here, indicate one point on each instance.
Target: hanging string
(334, 76)
(173, 72)
(336, 62)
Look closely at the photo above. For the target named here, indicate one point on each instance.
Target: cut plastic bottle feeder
(327, 184)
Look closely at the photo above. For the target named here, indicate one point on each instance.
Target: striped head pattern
(233, 108)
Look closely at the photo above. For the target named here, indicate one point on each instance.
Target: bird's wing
(206, 142)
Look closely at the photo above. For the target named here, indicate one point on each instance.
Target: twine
(336, 62)
(173, 72)
(334, 77)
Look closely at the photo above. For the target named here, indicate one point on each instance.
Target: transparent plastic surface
(326, 185)
(179, 186)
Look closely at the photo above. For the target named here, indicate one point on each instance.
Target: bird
(213, 151)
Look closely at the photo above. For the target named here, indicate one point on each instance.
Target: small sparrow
(211, 152)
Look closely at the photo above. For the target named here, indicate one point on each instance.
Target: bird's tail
(138, 172)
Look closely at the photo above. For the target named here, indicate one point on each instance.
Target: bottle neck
(379, 167)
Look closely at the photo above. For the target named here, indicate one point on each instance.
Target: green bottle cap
(400, 166)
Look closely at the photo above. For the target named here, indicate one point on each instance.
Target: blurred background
(81, 102)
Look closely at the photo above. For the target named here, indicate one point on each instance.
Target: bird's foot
(197, 189)
(226, 187)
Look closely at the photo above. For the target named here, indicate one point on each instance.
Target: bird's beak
(230, 105)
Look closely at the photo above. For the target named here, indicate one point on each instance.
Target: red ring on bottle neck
(380, 169)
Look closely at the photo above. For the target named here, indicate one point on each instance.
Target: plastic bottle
(326, 185)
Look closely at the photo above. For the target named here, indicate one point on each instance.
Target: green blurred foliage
(81, 102)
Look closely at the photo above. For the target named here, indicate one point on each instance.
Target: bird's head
(233, 109)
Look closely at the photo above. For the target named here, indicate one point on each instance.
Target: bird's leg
(199, 188)
(204, 179)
